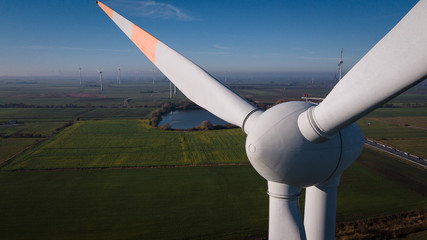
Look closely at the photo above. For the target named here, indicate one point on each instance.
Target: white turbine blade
(393, 65)
(193, 81)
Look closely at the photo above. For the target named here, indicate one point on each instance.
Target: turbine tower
(80, 72)
(170, 90)
(340, 66)
(119, 76)
(332, 83)
(100, 77)
(297, 145)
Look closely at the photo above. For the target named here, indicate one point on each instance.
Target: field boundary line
(129, 167)
(7, 161)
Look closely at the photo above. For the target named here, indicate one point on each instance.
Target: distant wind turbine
(119, 76)
(170, 90)
(80, 72)
(340, 63)
(153, 75)
(100, 77)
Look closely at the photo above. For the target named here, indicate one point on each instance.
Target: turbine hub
(280, 153)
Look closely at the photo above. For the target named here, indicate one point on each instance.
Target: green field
(40, 114)
(178, 203)
(63, 114)
(380, 185)
(382, 129)
(131, 143)
(222, 202)
(112, 176)
(406, 133)
(43, 128)
(11, 146)
(60, 93)
(124, 203)
(398, 112)
(418, 122)
(117, 113)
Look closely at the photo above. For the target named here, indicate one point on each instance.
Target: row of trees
(70, 105)
(23, 105)
(204, 126)
(156, 116)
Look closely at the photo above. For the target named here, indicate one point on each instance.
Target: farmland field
(112, 176)
(398, 112)
(418, 122)
(382, 129)
(12, 146)
(40, 114)
(406, 133)
(43, 128)
(131, 143)
(116, 113)
(172, 203)
(384, 185)
(223, 202)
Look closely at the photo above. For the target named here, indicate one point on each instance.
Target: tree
(206, 125)
(165, 126)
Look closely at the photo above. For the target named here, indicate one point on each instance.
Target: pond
(190, 118)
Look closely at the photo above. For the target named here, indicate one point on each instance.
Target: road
(396, 152)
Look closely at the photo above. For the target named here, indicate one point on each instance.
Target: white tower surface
(119, 76)
(100, 78)
(170, 90)
(80, 73)
(298, 145)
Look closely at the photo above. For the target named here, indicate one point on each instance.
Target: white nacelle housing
(280, 153)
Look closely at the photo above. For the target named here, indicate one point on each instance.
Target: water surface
(181, 119)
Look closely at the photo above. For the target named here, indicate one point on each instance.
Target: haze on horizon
(52, 38)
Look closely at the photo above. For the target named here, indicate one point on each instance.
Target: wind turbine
(119, 76)
(340, 66)
(170, 90)
(100, 77)
(300, 144)
(331, 84)
(153, 75)
(80, 72)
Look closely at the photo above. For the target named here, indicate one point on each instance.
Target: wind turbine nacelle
(280, 153)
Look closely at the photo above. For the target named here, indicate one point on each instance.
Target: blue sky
(55, 38)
